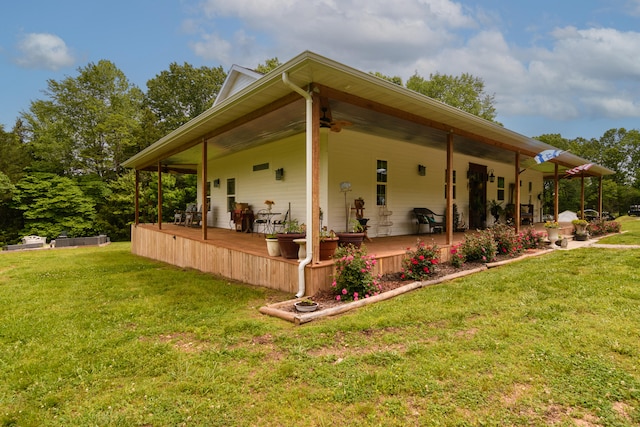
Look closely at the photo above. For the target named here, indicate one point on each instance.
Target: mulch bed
(391, 281)
(388, 282)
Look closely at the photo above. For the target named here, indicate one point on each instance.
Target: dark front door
(477, 176)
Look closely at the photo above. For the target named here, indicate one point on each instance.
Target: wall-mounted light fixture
(492, 177)
(279, 174)
(422, 170)
(216, 183)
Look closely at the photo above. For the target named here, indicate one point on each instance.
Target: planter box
(63, 242)
(328, 248)
(289, 248)
(354, 239)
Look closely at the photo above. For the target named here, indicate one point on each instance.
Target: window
(231, 194)
(500, 188)
(454, 183)
(381, 179)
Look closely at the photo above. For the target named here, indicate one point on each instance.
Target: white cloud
(579, 72)
(41, 50)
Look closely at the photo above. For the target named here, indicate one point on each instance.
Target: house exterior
(314, 134)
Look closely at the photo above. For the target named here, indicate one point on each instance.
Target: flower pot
(289, 248)
(327, 248)
(354, 239)
(552, 233)
(581, 237)
(305, 306)
(581, 229)
(273, 247)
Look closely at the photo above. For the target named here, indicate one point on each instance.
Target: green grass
(97, 336)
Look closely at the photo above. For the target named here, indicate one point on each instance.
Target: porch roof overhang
(268, 110)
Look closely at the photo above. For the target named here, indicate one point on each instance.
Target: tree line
(61, 163)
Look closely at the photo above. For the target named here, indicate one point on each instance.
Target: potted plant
(581, 229)
(552, 230)
(291, 231)
(306, 305)
(496, 210)
(354, 236)
(273, 247)
(328, 244)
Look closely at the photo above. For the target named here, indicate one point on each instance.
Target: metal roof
(226, 128)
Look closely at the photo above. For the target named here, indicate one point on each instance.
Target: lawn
(97, 336)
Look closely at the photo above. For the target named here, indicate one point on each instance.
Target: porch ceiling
(234, 124)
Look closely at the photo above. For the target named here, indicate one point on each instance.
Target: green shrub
(457, 257)
(479, 246)
(507, 241)
(532, 239)
(599, 227)
(354, 277)
(420, 263)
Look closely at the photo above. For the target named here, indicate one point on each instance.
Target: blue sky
(566, 66)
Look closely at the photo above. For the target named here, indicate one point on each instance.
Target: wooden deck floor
(254, 243)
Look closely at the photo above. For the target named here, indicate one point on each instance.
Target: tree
(14, 157)
(465, 92)
(269, 65)
(395, 79)
(10, 219)
(53, 204)
(181, 93)
(88, 124)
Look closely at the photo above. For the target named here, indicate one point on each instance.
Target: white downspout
(309, 181)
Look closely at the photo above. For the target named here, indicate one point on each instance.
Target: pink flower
(344, 291)
(337, 297)
(426, 269)
(421, 257)
(333, 283)
(355, 295)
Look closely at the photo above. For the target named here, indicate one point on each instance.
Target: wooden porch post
(449, 209)
(159, 196)
(205, 207)
(136, 199)
(517, 195)
(556, 197)
(582, 195)
(600, 195)
(315, 180)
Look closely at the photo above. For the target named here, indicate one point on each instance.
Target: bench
(427, 217)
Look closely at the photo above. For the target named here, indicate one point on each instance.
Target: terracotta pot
(354, 239)
(327, 248)
(289, 248)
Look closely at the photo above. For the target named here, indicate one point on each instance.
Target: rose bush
(354, 278)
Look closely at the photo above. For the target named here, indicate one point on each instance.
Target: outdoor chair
(261, 221)
(526, 214)
(192, 215)
(178, 217)
(278, 224)
(425, 216)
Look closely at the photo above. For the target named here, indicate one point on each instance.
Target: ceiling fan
(333, 125)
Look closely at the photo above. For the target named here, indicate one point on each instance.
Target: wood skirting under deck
(243, 257)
